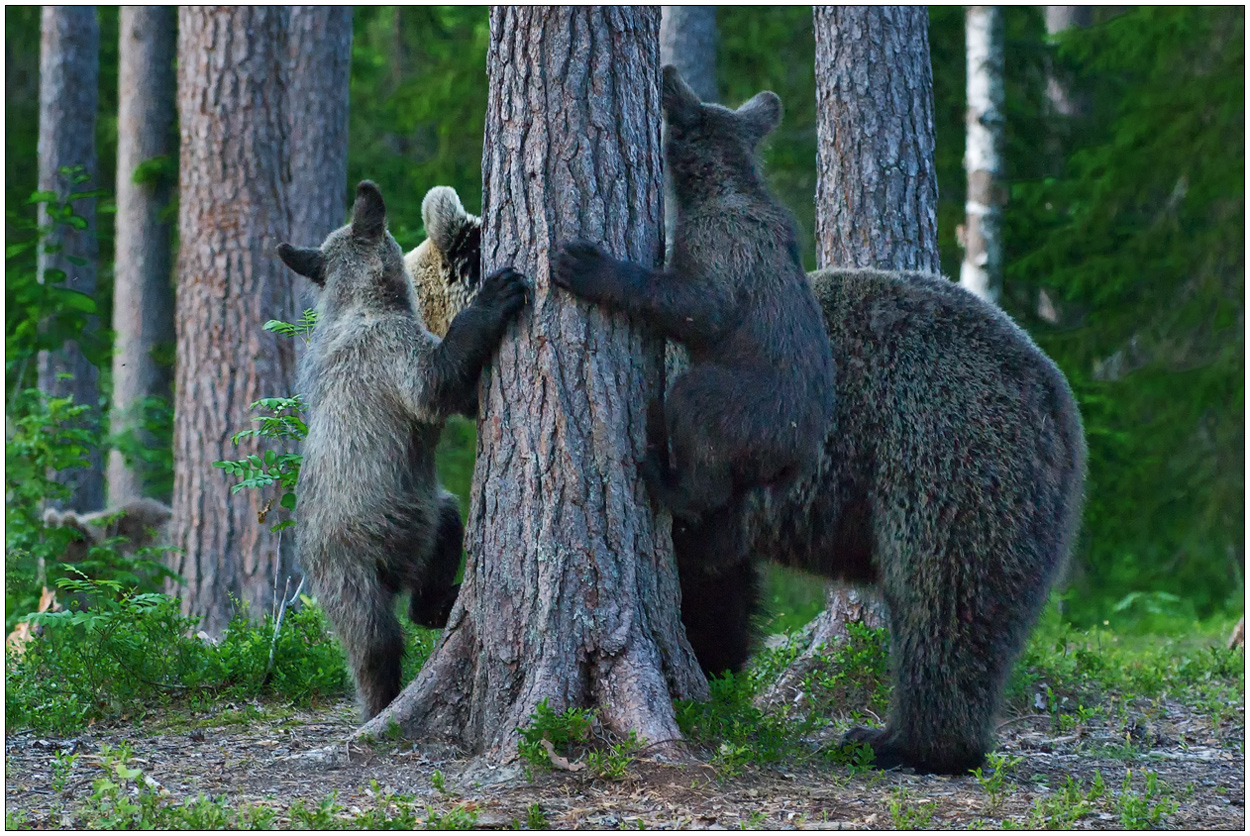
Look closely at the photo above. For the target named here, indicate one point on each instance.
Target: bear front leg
(666, 302)
(474, 335)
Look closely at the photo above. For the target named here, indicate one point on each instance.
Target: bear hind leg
(433, 598)
(361, 610)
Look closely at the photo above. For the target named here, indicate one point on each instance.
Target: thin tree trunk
(69, 72)
(1066, 106)
(1063, 101)
(982, 269)
(688, 42)
(232, 71)
(570, 591)
(876, 188)
(320, 52)
(143, 292)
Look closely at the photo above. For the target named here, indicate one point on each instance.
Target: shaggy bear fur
(371, 518)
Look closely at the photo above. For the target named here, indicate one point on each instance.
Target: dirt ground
(256, 756)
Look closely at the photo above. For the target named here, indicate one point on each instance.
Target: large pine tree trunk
(688, 42)
(570, 591)
(143, 291)
(876, 187)
(69, 60)
(982, 269)
(240, 94)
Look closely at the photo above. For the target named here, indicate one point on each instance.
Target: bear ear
(369, 212)
(760, 114)
(681, 105)
(307, 261)
(444, 216)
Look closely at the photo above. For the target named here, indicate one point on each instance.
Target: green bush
(127, 652)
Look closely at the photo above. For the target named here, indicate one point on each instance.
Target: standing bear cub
(371, 518)
(751, 409)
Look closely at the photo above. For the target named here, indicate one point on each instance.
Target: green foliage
(1140, 235)
(740, 731)
(535, 819)
(909, 815)
(284, 424)
(1071, 671)
(855, 672)
(48, 434)
(995, 783)
(418, 105)
(1145, 810)
(42, 316)
(561, 729)
(125, 652)
(147, 443)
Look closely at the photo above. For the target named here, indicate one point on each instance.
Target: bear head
(447, 267)
(711, 150)
(358, 265)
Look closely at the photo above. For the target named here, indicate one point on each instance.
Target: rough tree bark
(982, 235)
(319, 49)
(245, 74)
(876, 187)
(143, 291)
(688, 42)
(570, 591)
(69, 70)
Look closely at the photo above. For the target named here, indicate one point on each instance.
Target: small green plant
(457, 818)
(856, 757)
(754, 821)
(535, 819)
(854, 672)
(439, 782)
(907, 815)
(324, 816)
(283, 425)
(613, 763)
(995, 784)
(62, 766)
(560, 729)
(1145, 810)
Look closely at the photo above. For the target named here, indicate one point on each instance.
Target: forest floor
(1163, 764)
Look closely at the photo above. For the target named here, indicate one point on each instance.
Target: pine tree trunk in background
(1063, 102)
(320, 52)
(232, 215)
(982, 269)
(143, 291)
(570, 591)
(69, 71)
(876, 187)
(1066, 106)
(688, 42)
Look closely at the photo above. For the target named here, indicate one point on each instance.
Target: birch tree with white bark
(982, 234)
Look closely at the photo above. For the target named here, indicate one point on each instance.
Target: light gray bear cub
(371, 518)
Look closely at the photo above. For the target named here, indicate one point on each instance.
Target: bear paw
(582, 269)
(504, 292)
(890, 753)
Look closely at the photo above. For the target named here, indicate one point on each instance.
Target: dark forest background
(1134, 226)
